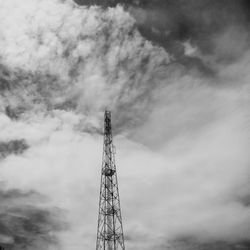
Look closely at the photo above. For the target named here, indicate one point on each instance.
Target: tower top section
(107, 123)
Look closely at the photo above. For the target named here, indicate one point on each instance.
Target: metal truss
(110, 230)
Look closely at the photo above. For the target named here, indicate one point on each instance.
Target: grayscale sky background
(175, 74)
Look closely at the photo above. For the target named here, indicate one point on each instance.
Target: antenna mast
(110, 230)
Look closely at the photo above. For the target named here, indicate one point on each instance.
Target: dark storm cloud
(24, 225)
(104, 3)
(207, 25)
(13, 147)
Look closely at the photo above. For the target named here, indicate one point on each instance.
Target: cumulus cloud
(92, 54)
(182, 137)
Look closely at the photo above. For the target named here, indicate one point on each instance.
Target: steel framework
(110, 231)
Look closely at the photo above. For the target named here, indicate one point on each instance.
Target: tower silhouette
(110, 230)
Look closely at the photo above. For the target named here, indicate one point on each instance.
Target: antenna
(110, 230)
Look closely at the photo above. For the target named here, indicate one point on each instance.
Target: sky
(175, 76)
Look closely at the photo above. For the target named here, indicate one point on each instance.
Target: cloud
(15, 146)
(181, 137)
(92, 54)
(172, 23)
(192, 188)
(67, 184)
(25, 225)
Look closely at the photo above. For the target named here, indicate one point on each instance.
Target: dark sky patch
(5, 78)
(14, 112)
(28, 227)
(19, 88)
(13, 147)
(169, 23)
(24, 225)
(104, 3)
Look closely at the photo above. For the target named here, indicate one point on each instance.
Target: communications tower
(110, 230)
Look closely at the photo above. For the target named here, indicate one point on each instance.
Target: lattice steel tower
(110, 231)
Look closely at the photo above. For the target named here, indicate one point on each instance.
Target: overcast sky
(175, 75)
